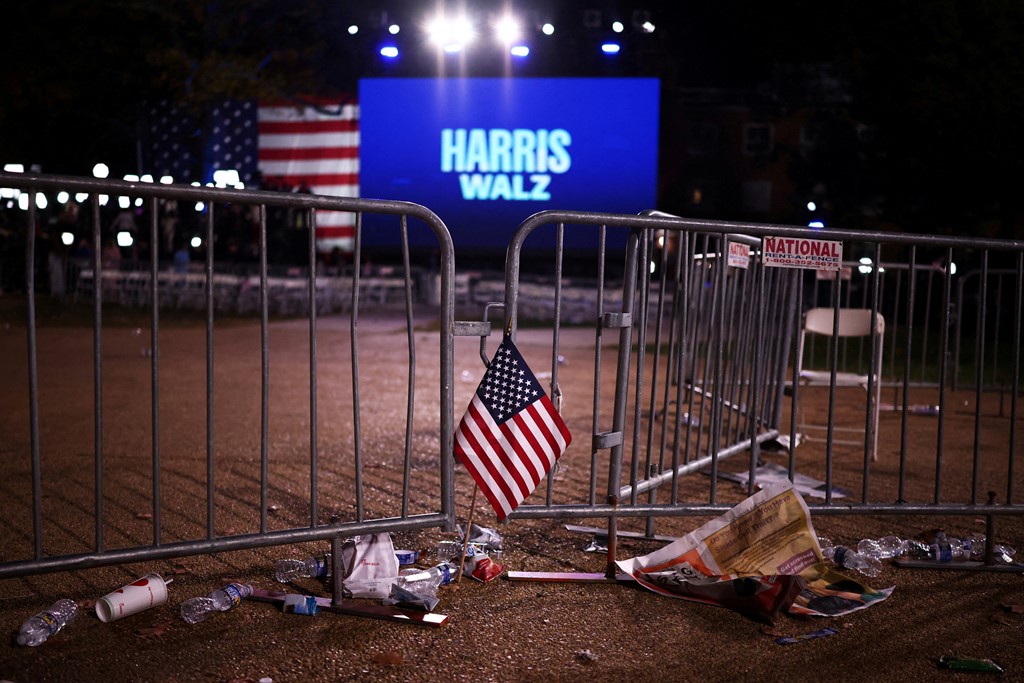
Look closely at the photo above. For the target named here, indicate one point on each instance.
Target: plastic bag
(368, 566)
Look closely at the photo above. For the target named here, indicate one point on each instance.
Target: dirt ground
(500, 631)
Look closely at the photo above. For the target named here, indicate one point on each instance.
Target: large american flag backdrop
(511, 435)
(293, 147)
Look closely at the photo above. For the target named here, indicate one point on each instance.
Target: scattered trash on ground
(149, 591)
(319, 567)
(759, 558)
(195, 610)
(820, 633)
(300, 604)
(43, 625)
(969, 664)
(586, 656)
(771, 473)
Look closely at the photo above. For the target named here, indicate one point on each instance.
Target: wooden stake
(469, 526)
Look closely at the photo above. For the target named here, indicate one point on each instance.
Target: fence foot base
(566, 577)
(961, 566)
(359, 609)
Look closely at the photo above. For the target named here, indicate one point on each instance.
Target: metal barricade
(705, 370)
(235, 460)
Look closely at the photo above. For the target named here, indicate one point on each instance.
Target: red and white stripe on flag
(317, 147)
(511, 435)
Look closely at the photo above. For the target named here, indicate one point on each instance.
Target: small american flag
(511, 435)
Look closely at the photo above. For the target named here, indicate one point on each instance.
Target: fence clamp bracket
(613, 320)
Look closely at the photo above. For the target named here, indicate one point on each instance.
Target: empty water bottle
(38, 628)
(883, 548)
(427, 581)
(199, 609)
(948, 549)
(849, 559)
(287, 571)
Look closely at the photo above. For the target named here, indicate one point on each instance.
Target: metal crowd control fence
(310, 474)
(705, 370)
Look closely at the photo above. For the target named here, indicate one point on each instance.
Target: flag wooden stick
(469, 526)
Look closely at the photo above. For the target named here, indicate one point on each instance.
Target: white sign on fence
(739, 255)
(799, 252)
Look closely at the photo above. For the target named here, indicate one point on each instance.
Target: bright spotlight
(67, 239)
(124, 202)
(23, 202)
(610, 48)
(196, 242)
(166, 180)
(816, 225)
(353, 29)
(41, 202)
(63, 197)
(81, 197)
(452, 35)
(520, 51)
(811, 206)
(507, 30)
(14, 168)
(618, 27)
(200, 207)
(131, 178)
(138, 201)
(865, 265)
(124, 239)
(647, 27)
(104, 199)
(394, 29)
(389, 52)
(226, 178)
(547, 29)
(100, 171)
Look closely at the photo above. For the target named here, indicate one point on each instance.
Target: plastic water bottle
(849, 559)
(947, 549)
(287, 571)
(427, 581)
(199, 609)
(38, 628)
(884, 548)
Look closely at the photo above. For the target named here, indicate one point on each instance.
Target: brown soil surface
(499, 631)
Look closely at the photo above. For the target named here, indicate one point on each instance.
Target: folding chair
(853, 322)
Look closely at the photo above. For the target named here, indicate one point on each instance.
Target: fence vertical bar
(411, 384)
(264, 371)
(314, 452)
(97, 367)
(357, 452)
(943, 369)
(979, 375)
(211, 486)
(33, 378)
(1015, 379)
(154, 273)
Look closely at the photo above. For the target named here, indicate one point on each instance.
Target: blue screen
(486, 153)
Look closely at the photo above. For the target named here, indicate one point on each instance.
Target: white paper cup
(149, 591)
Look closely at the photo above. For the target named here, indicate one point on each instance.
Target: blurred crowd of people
(64, 239)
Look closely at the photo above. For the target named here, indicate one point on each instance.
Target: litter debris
(195, 610)
(598, 544)
(369, 566)
(482, 568)
(317, 567)
(406, 557)
(820, 633)
(149, 591)
(300, 604)
(759, 558)
(38, 628)
(771, 473)
(403, 597)
(968, 664)
(489, 539)
(586, 656)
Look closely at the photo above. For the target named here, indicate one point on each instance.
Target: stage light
(547, 29)
(146, 178)
(100, 171)
(196, 242)
(520, 51)
(507, 29)
(647, 27)
(226, 178)
(610, 48)
(124, 202)
(41, 202)
(63, 197)
(865, 265)
(452, 35)
(811, 206)
(394, 29)
(353, 29)
(131, 178)
(618, 27)
(81, 197)
(817, 225)
(389, 52)
(124, 239)
(14, 168)
(67, 239)
(166, 180)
